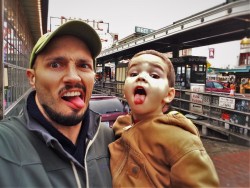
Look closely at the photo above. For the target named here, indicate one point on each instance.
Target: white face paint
(146, 87)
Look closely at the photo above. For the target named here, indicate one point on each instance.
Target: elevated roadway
(222, 23)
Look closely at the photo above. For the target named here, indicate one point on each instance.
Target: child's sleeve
(194, 169)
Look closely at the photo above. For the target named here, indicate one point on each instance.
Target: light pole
(50, 23)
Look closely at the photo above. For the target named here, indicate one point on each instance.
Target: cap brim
(75, 28)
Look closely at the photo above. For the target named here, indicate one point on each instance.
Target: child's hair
(170, 73)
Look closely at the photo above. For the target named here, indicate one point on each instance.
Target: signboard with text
(196, 98)
(227, 102)
(143, 30)
(211, 53)
(102, 29)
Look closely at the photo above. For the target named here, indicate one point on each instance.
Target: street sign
(143, 30)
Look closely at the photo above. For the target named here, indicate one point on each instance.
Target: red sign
(211, 53)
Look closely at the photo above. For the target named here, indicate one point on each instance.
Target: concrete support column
(176, 49)
(204, 130)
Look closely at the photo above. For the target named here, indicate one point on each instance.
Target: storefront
(21, 26)
(189, 69)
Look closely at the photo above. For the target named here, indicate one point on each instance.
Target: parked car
(110, 107)
(216, 86)
(226, 84)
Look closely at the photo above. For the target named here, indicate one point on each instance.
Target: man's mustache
(68, 87)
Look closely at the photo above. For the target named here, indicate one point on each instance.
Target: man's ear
(170, 95)
(31, 76)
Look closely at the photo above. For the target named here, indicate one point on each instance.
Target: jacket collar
(34, 126)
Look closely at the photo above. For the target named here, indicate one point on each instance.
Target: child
(155, 149)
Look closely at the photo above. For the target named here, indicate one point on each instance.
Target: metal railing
(216, 114)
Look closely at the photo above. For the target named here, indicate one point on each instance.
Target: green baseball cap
(75, 28)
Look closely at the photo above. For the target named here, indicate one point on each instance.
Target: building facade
(22, 23)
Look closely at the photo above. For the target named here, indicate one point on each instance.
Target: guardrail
(215, 114)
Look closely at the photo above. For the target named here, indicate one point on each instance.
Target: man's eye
(55, 65)
(85, 66)
(155, 76)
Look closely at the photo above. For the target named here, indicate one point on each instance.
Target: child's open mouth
(140, 95)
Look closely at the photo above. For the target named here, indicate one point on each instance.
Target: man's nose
(72, 75)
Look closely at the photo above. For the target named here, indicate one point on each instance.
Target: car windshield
(105, 106)
(218, 85)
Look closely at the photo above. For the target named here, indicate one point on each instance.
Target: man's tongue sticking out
(77, 102)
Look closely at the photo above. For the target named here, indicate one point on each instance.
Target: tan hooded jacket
(164, 151)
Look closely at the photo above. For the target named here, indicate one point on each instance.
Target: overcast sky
(124, 15)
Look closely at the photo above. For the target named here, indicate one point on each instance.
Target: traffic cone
(232, 90)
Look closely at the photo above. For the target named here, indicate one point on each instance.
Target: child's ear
(170, 95)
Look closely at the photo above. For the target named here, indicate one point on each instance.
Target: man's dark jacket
(31, 157)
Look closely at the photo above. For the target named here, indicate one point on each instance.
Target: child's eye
(155, 76)
(133, 74)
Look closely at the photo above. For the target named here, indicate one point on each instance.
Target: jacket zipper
(89, 143)
(117, 173)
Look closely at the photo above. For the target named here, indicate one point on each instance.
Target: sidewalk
(231, 161)
(233, 168)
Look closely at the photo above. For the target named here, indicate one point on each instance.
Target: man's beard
(70, 120)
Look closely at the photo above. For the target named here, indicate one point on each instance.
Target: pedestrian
(246, 86)
(155, 149)
(58, 141)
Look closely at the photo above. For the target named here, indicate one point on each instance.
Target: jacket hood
(173, 118)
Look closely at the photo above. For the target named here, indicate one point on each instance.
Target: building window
(17, 46)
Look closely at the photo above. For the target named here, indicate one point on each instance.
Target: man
(58, 141)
